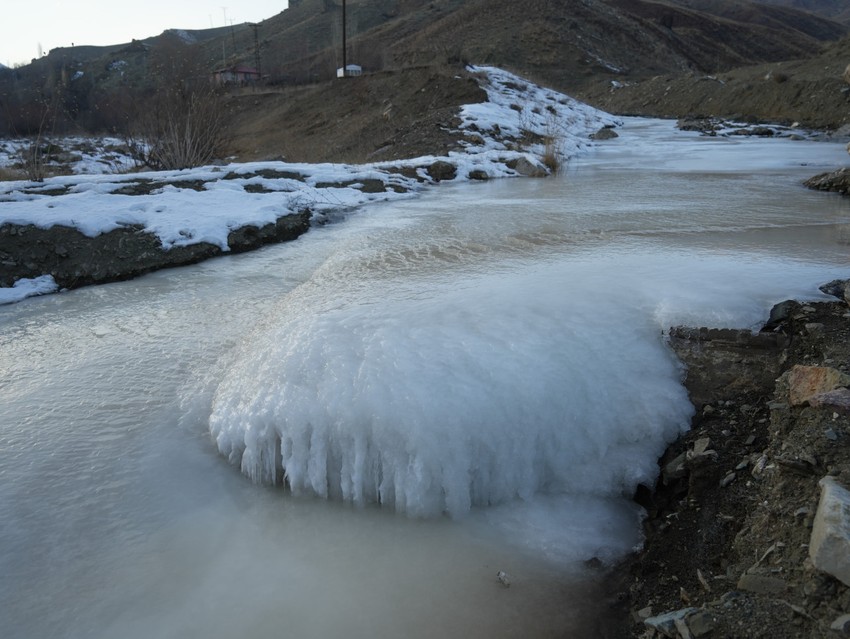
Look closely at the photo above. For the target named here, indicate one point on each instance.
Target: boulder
(837, 400)
(829, 545)
(837, 288)
(442, 170)
(525, 167)
(605, 133)
(802, 383)
(835, 181)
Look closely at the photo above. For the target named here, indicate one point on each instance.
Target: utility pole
(344, 55)
(257, 48)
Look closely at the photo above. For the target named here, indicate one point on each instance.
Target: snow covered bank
(504, 138)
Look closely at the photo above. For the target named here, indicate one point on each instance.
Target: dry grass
(552, 154)
(11, 174)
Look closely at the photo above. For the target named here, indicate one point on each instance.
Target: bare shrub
(33, 158)
(552, 153)
(181, 124)
(180, 129)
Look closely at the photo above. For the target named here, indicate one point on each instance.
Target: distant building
(351, 70)
(238, 75)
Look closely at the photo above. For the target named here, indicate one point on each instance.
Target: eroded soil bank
(730, 520)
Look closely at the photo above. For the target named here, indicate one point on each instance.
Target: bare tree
(182, 123)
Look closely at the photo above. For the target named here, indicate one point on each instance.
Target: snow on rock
(519, 110)
(28, 288)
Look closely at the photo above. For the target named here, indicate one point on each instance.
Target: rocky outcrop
(835, 181)
(746, 533)
(75, 260)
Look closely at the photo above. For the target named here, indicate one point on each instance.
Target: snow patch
(25, 288)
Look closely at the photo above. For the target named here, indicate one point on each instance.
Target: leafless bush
(180, 129)
(33, 158)
(181, 125)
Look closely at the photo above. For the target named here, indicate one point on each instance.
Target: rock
(842, 624)
(780, 314)
(846, 75)
(701, 623)
(761, 584)
(682, 629)
(525, 167)
(441, 170)
(829, 545)
(478, 174)
(836, 181)
(503, 579)
(701, 445)
(837, 400)
(836, 288)
(802, 383)
(666, 623)
(703, 125)
(674, 469)
(605, 133)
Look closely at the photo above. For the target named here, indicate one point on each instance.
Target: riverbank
(92, 229)
(730, 522)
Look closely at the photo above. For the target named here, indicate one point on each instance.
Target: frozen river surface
(487, 359)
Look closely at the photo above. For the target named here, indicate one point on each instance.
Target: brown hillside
(809, 91)
(566, 42)
(381, 116)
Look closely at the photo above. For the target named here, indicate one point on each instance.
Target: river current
(468, 382)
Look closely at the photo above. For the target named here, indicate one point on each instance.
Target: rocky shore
(736, 545)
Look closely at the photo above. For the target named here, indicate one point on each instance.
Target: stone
(666, 623)
(605, 133)
(701, 445)
(441, 170)
(836, 288)
(802, 383)
(829, 545)
(682, 629)
(701, 623)
(842, 624)
(525, 167)
(837, 400)
(780, 313)
(674, 469)
(761, 584)
(478, 174)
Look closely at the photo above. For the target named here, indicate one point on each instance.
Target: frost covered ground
(521, 121)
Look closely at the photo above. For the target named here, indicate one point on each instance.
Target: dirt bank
(730, 520)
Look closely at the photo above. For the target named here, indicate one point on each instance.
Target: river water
(486, 361)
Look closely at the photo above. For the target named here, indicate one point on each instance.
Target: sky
(59, 23)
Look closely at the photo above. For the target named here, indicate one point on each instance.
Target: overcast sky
(60, 23)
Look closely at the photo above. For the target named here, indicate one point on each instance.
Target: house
(238, 75)
(350, 70)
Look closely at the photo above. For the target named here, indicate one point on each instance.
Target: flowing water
(486, 362)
